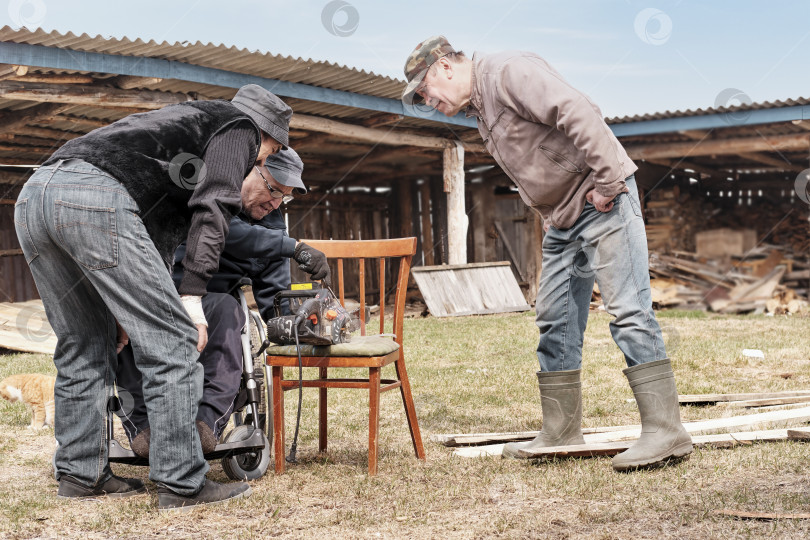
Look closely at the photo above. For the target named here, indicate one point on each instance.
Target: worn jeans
(610, 247)
(222, 366)
(94, 263)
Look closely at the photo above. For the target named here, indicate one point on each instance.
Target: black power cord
(291, 458)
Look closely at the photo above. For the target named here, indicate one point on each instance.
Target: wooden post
(427, 228)
(456, 216)
(535, 266)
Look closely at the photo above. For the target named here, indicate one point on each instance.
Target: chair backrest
(402, 249)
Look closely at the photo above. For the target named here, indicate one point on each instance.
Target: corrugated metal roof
(709, 110)
(263, 64)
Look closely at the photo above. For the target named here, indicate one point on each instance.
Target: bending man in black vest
(99, 224)
(257, 247)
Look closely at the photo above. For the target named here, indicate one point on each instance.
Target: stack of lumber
(767, 426)
(688, 281)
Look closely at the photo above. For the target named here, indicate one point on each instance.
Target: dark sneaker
(211, 493)
(207, 439)
(140, 444)
(115, 487)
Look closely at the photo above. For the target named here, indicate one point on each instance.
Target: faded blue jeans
(610, 247)
(94, 263)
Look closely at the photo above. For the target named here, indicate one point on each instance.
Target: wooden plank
(695, 399)
(427, 228)
(469, 289)
(24, 327)
(798, 435)
(765, 402)
(701, 427)
(610, 448)
(758, 516)
(471, 439)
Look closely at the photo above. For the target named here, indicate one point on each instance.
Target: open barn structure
(379, 168)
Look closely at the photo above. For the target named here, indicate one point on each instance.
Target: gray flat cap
(267, 110)
(286, 167)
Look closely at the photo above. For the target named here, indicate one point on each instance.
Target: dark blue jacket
(259, 250)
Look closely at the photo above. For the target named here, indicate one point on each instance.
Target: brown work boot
(211, 493)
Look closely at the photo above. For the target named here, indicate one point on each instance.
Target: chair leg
(322, 414)
(410, 409)
(373, 418)
(278, 419)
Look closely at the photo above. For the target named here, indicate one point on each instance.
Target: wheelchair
(243, 450)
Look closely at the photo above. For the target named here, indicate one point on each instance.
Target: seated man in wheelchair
(257, 247)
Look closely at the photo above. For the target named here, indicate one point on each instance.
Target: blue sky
(631, 57)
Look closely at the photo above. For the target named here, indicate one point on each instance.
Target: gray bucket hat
(286, 168)
(266, 109)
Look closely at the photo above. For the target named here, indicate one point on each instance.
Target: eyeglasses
(276, 194)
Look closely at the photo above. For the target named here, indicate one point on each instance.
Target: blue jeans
(94, 263)
(610, 247)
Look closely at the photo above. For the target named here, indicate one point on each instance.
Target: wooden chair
(372, 352)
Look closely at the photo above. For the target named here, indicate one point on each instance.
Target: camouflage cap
(422, 57)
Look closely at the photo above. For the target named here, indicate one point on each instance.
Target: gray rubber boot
(663, 437)
(561, 401)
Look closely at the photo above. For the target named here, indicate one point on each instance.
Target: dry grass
(472, 374)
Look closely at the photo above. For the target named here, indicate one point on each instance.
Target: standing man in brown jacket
(554, 144)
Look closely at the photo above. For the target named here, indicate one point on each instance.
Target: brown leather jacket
(547, 136)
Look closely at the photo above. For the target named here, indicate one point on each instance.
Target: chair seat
(359, 346)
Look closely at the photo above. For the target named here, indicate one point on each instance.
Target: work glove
(313, 262)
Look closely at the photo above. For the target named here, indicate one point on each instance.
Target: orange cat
(36, 391)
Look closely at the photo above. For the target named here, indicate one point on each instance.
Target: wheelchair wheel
(249, 466)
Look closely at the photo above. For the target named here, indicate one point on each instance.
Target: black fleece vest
(138, 150)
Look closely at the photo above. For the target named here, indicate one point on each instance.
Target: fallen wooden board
(798, 435)
(761, 516)
(749, 403)
(24, 327)
(469, 289)
(695, 399)
(473, 439)
(701, 427)
(611, 448)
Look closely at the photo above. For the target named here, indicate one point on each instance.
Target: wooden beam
(457, 221)
(768, 160)
(384, 119)
(128, 82)
(42, 133)
(8, 71)
(679, 164)
(33, 149)
(91, 123)
(10, 121)
(771, 143)
(95, 96)
(804, 124)
(752, 156)
(374, 136)
(54, 79)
